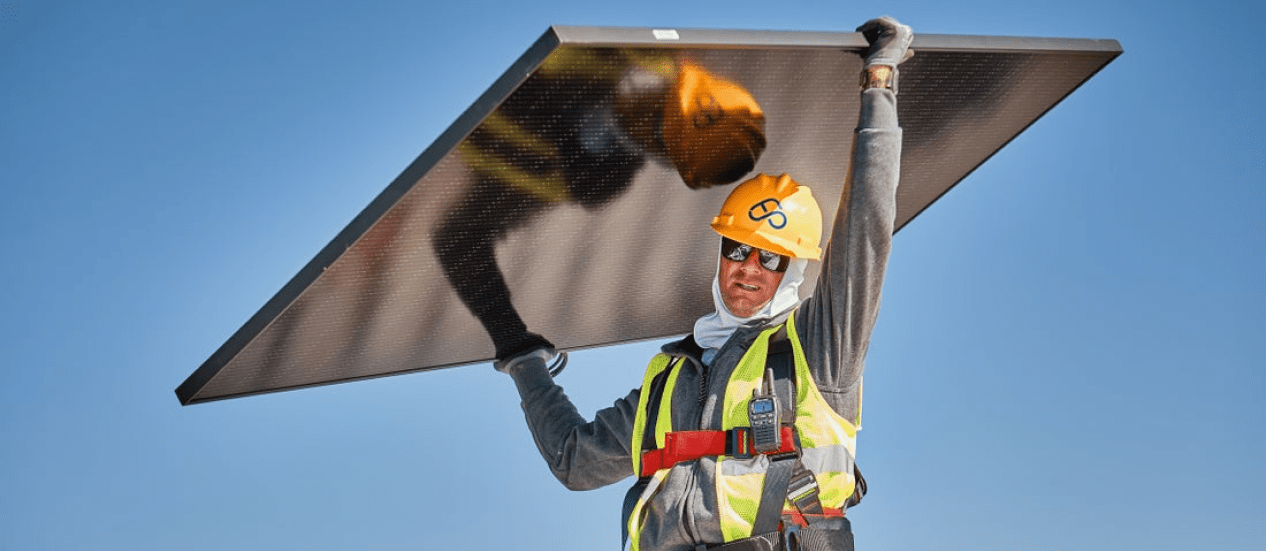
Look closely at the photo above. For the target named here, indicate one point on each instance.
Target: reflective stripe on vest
(828, 441)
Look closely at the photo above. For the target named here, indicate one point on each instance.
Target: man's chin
(742, 312)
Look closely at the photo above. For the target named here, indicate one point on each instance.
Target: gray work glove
(539, 354)
(889, 41)
(535, 358)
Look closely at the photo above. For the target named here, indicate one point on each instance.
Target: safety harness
(786, 477)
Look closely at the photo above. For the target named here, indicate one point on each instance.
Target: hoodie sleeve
(835, 323)
(582, 454)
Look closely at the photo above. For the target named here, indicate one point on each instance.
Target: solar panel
(553, 206)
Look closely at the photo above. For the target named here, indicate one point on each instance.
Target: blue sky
(1069, 354)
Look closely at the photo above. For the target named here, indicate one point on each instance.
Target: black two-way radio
(763, 415)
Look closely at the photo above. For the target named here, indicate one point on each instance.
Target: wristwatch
(879, 76)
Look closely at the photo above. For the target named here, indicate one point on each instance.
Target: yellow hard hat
(773, 213)
(713, 129)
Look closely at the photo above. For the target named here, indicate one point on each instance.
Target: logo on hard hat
(768, 209)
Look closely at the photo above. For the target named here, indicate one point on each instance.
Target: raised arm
(836, 322)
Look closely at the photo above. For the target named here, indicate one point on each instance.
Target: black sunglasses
(739, 252)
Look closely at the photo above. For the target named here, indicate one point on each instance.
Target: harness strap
(804, 519)
(777, 476)
(802, 491)
(780, 364)
(693, 444)
(630, 501)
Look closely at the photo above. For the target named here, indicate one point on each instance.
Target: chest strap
(693, 444)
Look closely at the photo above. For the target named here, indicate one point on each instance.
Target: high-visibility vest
(827, 440)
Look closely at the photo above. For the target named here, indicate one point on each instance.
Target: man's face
(747, 286)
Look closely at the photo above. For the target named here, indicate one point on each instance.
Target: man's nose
(752, 262)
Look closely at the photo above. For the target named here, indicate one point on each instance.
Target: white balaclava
(711, 331)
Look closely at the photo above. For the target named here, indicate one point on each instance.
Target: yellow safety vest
(827, 440)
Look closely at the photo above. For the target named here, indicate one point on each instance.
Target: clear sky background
(1069, 356)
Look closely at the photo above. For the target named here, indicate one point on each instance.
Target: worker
(742, 435)
(578, 131)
